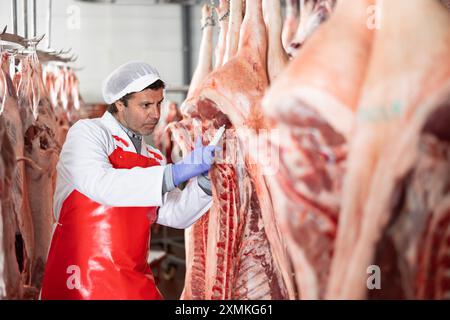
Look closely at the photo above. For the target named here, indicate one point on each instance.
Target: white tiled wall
(109, 35)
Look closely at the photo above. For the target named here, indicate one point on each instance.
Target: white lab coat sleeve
(181, 209)
(84, 163)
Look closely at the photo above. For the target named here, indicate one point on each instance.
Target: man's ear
(120, 106)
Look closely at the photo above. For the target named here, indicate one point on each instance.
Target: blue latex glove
(195, 163)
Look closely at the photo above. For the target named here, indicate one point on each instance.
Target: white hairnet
(130, 77)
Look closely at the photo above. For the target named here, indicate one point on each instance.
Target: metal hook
(74, 58)
(8, 37)
(34, 41)
(65, 52)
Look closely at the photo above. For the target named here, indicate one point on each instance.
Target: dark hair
(158, 84)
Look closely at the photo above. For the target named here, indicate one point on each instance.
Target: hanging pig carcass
(235, 252)
(42, 148)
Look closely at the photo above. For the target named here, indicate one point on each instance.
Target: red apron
(100, 252)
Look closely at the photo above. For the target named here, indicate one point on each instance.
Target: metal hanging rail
(14, 15)
(49, 23)
(25, 18)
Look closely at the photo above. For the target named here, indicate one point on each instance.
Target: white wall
(105, 36)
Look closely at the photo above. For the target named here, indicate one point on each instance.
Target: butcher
(112, 186)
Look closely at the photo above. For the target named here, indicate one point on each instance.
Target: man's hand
(197, 162)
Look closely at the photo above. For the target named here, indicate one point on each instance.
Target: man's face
(143, 111)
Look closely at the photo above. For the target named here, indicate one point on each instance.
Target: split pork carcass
(182, 133)
(234, 27)
(396, 208)
(54, 81)
(62, 86)
(277, 58)
(10, 278)
(312, 14)
(19, 207)
(290, 24)
(3, 169)
(223, 13)
(235, 251)
(204, 65)
(3, 275)
(312, 105)
(75, 101)
(9, 271)
(41, 147)
(29, 152)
